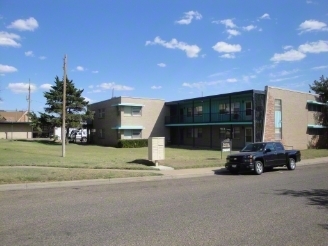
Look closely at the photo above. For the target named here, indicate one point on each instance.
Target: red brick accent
(269, 134)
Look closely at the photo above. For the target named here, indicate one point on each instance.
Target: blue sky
(169, 49)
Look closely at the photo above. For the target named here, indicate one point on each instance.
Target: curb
(192, 173)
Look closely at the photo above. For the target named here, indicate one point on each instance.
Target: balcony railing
(237, 116)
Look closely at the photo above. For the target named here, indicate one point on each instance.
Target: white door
(248, 135)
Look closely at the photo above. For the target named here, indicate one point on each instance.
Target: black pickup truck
(259, 156)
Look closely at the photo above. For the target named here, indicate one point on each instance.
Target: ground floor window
(248, 135)
(236, 132)
(132, 134)
(194, 132)
(101, 133)
(224, 132)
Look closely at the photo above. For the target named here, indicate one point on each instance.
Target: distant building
(14, 125)
(274, 114)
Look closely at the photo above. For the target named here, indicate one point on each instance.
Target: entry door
(248, 135)
(248, 110)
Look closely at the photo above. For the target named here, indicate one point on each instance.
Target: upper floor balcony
(236, 116)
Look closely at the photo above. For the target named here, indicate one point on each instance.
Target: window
(315, 107)
(101, 113)
(224, 133)
(279, 146)
(248, 135)
(136, 111)
(277, 119)
(134, 133)
(316, 131)
(198, 110)
(236, 132)
(248, 107)
(189, 112)
(235, 107)
(224, 108)
(194, 133)
(132, 111)
(101, 133)
(270, 146)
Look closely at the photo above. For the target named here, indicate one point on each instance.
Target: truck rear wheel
(291, 164)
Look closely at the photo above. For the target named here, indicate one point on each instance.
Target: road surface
(277, 208)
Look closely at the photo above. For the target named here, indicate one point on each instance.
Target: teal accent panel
(212, 124)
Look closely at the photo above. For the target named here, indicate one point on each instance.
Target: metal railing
(236, 116)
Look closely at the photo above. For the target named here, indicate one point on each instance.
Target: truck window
(279, 146)
(270, 146)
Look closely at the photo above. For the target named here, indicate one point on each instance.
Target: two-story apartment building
(127, 118)
(274, 114)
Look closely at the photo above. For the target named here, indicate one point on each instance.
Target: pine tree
(76, 105)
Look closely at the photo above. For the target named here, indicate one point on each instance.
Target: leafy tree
(76, 105)
(39, 122)
(320, 87)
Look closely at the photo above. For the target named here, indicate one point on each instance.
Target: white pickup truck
(78, 135)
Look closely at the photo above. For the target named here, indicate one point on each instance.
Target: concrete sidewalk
(166, 174)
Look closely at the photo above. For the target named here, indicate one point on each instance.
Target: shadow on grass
(142, 162)
(315, 197)
(41, 141)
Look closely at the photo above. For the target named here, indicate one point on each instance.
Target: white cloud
(223, 47)
(291, 55)
(9, 39)
(95, 91)
(88, 99)
(233, 32)
(265, 67)
(188, 17)
(95, 71)
(7, 69)
(319, 67)
(29, 24)
(42, 57)
(112, 85)
(161, 64)
(283, 79)
(314, 47)
(287, 47)
(29, 53)
(154, 87)
(227, 22)
(249, 28)
(247, 78)
(21, 87)
(284, 73)
(309, 1)
(90, 86)
(46, 86)
(312, 25)
(191, 50)
(80, 68)
(232, 80)
(228, 56)
(265, 16)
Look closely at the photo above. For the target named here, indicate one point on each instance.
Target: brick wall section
(295, 117)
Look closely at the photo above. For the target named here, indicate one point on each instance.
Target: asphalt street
(277, 208)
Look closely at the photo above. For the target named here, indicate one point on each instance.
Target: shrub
(132, 143)
(56, 138)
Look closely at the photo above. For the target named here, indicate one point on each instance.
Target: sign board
(226, 146)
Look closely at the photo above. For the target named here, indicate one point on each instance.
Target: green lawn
(17, 159)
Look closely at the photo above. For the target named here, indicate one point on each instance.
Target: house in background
(126, 118)
(14, 125)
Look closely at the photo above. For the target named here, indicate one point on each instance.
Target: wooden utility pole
(29, 96)
(63, 135)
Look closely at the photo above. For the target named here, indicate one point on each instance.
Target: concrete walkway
(167, 174)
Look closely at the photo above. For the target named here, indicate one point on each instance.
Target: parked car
(78, 135)
(259, 156)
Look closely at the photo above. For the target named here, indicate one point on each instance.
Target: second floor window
(198, 110)
(224, 108)
(101, 113)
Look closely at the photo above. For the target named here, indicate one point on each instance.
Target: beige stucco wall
(295, 117)
(152, 119)
(15, 131)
